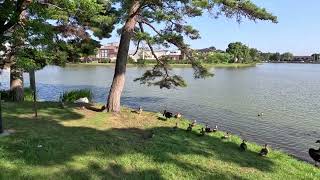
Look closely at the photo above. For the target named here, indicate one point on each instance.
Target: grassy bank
(231, 65)
(72, 143)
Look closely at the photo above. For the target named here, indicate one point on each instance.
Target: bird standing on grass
(226, 136)
(202, 132)
(167, 114)
(139, 111)
(264, 151)
(315, 154)
(194, 122)
(189, 129)
(215, 129)
(178, 115)
(243, 146)
(208, 129)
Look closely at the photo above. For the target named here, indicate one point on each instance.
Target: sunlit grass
(72, 143)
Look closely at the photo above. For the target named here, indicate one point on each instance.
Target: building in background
(108, 51)
(146, 54)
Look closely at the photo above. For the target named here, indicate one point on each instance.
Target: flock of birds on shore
(314, 153)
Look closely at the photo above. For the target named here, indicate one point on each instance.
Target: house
(108, 51)
(303, 59)
(147, 54)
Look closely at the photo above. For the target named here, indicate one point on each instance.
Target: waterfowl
(189, 129)
(167, 114)
(194, 122)
(202, 132)
(226, 136)
(139, 111)
(208, 129)
(178, 115)
(264, 151)
(315, 154)
(243, 146)
(215, 129)
(260, 114)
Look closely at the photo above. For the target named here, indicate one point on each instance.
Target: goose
(167, 114)
(243, 146)
(264, 151)
(178, 115)
(226, 136)
(202, 132)
(215, 129)
(189, 129)
(139, 111)
(315, 154)
(208, 129)
(260, 114)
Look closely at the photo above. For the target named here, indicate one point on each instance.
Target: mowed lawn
(73, 143)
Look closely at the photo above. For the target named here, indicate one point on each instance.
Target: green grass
(230, 65)
(81, 144)
(73, 95)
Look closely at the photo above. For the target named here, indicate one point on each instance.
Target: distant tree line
(238, 52)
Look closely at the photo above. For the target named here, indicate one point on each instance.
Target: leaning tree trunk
(113, 104)
(16, 84)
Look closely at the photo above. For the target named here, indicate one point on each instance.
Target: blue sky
(298, 30)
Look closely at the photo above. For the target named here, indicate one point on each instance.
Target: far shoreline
(231, 65)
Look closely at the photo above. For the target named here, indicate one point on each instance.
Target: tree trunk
(33, 88)
(1, 125)
(16, 84)
(113, 104)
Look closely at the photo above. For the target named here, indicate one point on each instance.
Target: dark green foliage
(71, 96)
(7, 96)
(105, 60)
(287, 56)
(171, 16)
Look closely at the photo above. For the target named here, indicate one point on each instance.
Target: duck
(260, 114)
(178, 115)
(175, 127)
(264, 151)
(194, 122)
(167, 114)
(189, 129)
(226, 136)
(208, 129)
(243, 146)
(315, 154)
(202, 132)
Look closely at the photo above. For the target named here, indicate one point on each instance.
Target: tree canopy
(159, 22)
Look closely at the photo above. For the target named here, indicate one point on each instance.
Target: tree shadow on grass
(46, 142)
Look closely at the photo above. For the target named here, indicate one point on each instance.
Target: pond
(287, 94)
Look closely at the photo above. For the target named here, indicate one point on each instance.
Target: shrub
(74, 95)
(106, 60)
(131, 60)
(28, 94)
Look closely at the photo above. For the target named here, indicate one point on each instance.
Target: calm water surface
(288, 94)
